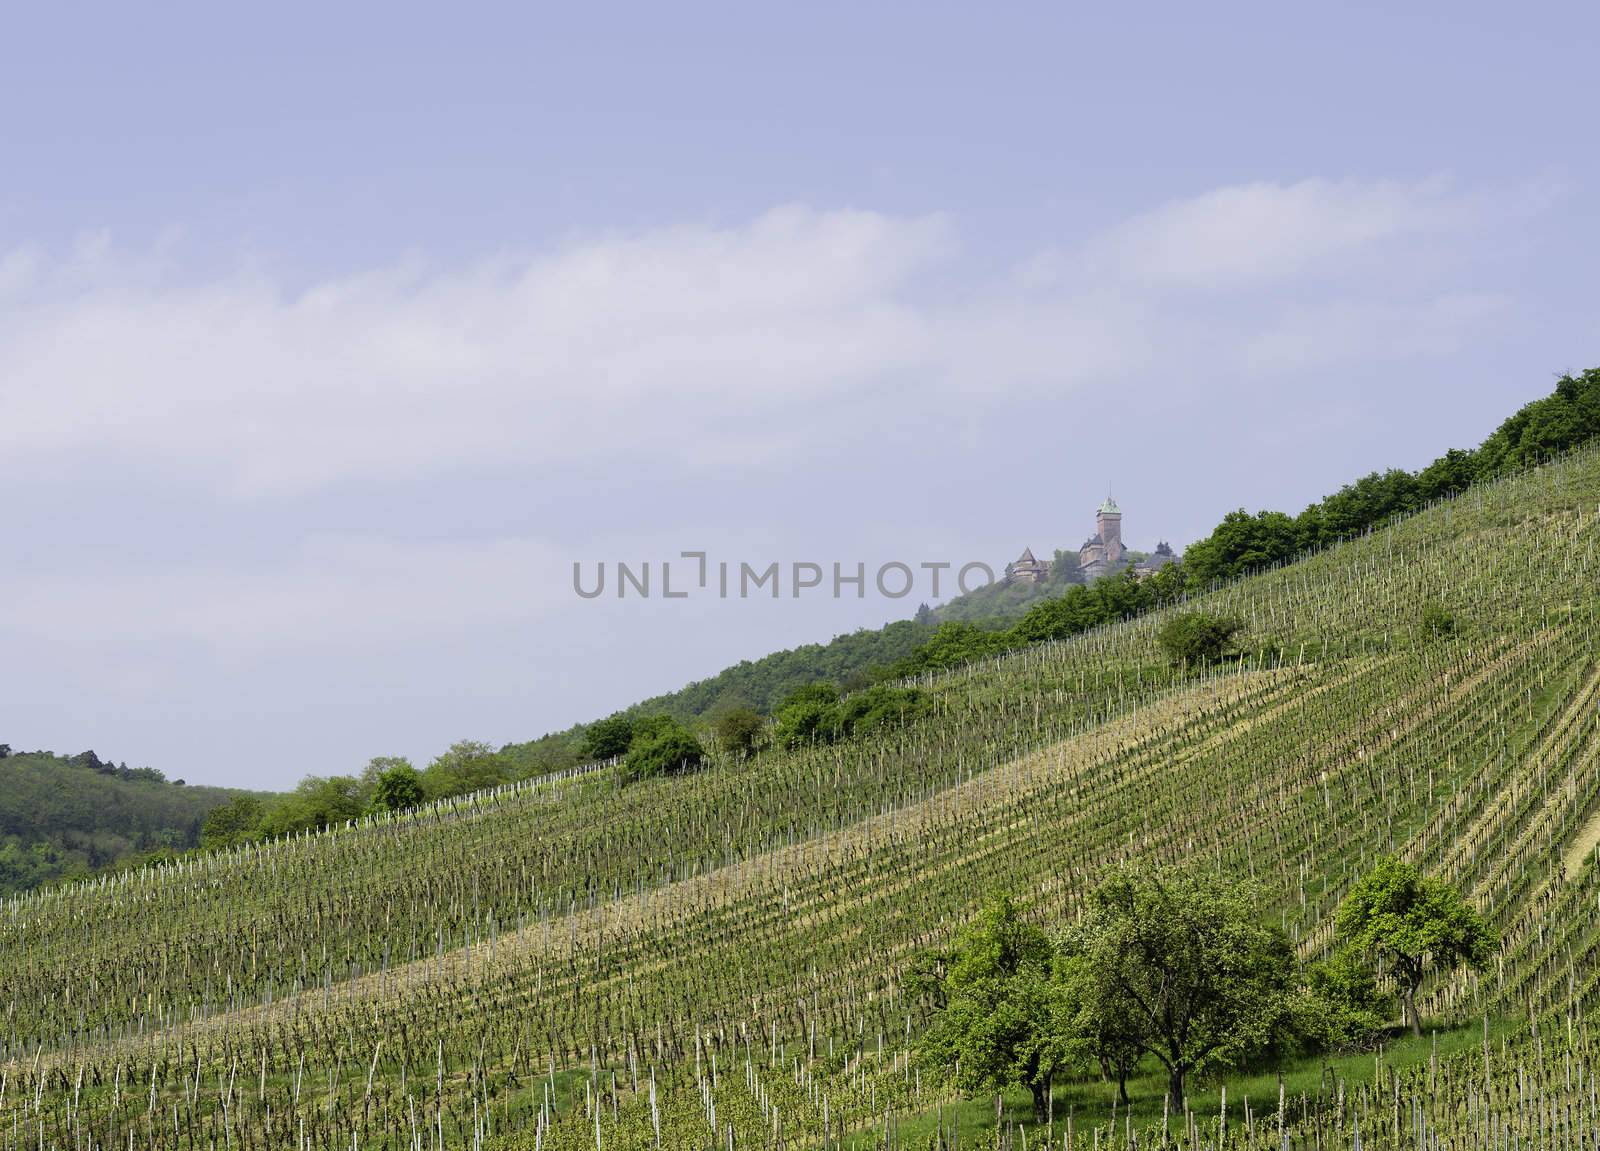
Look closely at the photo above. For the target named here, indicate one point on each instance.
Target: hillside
(568, 962)
(66, 816)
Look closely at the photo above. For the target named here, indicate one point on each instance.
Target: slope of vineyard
(717, 960)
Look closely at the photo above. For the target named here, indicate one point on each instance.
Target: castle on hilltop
(1102, 551)
(1101, 554)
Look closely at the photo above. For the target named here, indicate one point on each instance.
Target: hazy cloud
(1258, 235)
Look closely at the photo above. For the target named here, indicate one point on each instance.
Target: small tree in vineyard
(235, 822)
(1001, 1023)
(809, 715)
(1416, 924)
(739, 730)
(608, 738)
(1103, 1023)
(1437, 621)
(1180, 967)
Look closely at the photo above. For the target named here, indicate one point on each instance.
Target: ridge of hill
(64, 817)
(729, 951)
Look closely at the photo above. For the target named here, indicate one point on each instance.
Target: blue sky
(330, 340)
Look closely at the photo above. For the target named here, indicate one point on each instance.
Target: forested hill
(64, 816)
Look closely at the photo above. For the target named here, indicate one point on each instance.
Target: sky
(333, 337)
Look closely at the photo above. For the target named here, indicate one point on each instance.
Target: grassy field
(716, 961)
(1083, 1106)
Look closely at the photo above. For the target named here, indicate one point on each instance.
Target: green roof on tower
(1110, 507)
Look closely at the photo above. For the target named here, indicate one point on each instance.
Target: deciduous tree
(1002, 1019)
(1416, 924)
(1182, 968)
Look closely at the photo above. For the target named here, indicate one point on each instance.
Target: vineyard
(719, 960)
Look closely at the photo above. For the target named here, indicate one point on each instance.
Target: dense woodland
(64, 817)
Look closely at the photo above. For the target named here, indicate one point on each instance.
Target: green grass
(1094, 1103)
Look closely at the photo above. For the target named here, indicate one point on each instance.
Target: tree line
(1177, 970)
(641, 748)
(1243, 542)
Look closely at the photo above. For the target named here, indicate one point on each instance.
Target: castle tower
(1108, 526)
(1028, 568)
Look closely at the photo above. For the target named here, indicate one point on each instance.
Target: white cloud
(1253, 235)
(699, 344)
(388, 374)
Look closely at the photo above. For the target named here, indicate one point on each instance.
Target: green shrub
(315, 803)
(608, 738)
(1197, 637)
(739, 730)
(880, 708)
(1437, 621)
(663, 746)
(1342, 1008)
(816, 714)
(468, 765)
(399, 788)
(809, 715)
(235, 822)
